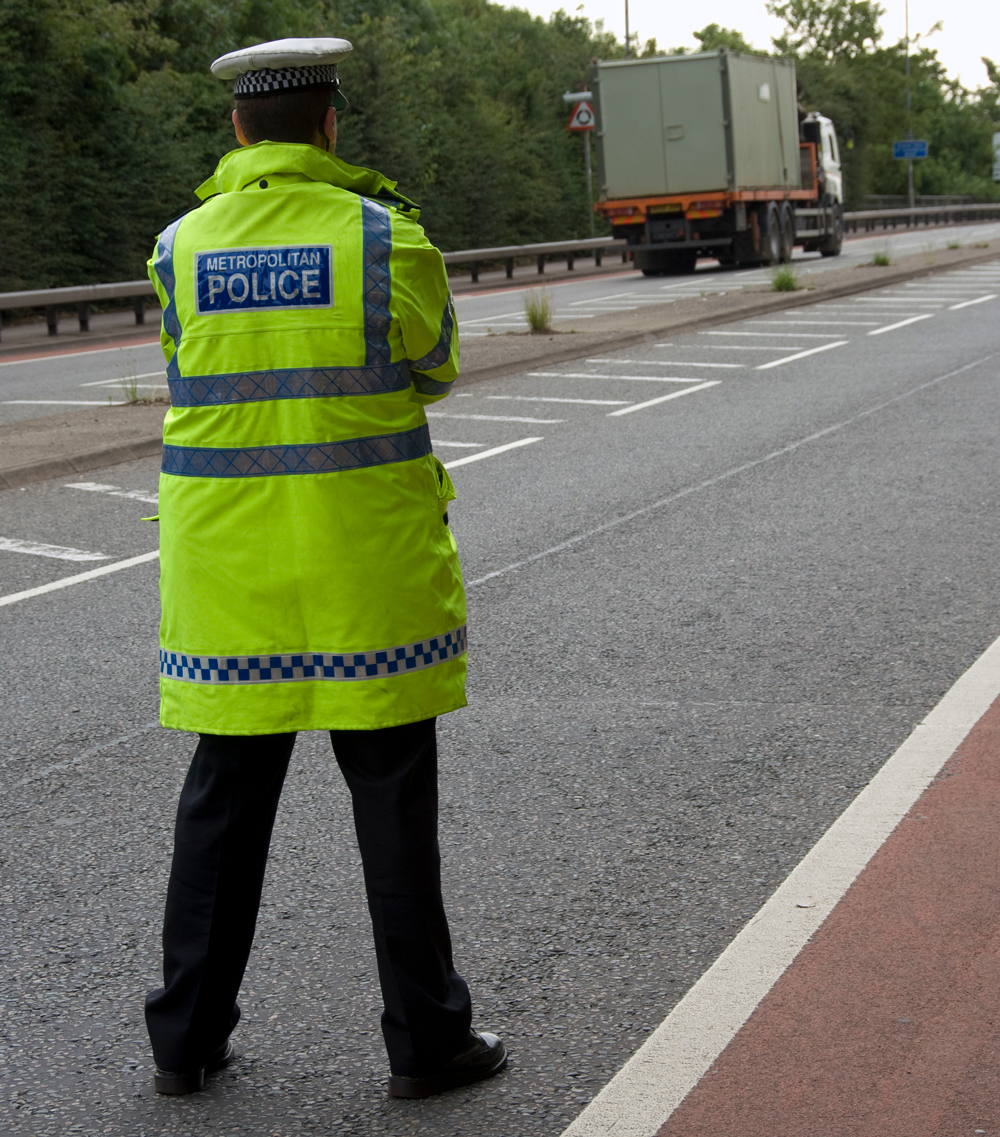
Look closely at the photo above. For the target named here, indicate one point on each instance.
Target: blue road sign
(910, 148)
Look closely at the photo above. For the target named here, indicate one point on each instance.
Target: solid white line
(470, 445)
(58, 403)
(665, 398)
(84, 351)
(150, 498)
(598, 299)
(900, 324)
(58, 552)
(978, 300)
(495, 418)
(554, 399)
(127, 379)
(662, 362)
(14, 597)
(659, 1076)
(776, 335)
(593, 375)
(800, 355)
(708, 483)
(490, 453)
(823, 323)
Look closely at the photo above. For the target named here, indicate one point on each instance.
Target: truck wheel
(831, 245)
(681, 262)
(772, 250)
(787, 232)
(651, 262)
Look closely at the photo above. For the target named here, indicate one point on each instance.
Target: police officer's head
(286, 90)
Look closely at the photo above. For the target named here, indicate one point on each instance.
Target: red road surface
(888, 1022)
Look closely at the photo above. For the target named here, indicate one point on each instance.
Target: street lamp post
(626, 30)
(909, 116)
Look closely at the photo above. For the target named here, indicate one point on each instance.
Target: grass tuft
(954, 244)
(881, 258)
(538, 309)
(784, 280)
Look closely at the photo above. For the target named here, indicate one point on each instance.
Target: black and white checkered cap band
(266, 82)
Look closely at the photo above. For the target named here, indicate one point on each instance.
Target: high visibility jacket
(309, 579)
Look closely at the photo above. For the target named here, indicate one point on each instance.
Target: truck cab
(818, 129)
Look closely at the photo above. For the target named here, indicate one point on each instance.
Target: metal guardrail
(51, 299)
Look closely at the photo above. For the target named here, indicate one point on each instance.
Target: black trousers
(224, 822)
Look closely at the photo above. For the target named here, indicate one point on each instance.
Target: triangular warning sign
(582, 117)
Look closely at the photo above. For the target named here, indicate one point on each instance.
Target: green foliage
(713, 37)
(538, 309)
(784, 280)
(881, 258)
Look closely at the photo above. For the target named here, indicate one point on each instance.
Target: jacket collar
(248, 164)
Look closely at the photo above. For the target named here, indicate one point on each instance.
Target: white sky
(971, 27)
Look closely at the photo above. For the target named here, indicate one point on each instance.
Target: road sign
(582, 117)
(909, 148)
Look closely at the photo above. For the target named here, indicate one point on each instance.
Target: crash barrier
(83, 296)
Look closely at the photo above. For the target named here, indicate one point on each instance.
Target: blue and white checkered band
(267, 82)
(293, 668)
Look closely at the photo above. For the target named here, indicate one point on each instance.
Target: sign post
(909, 149)
(581, 121)
(996, 156)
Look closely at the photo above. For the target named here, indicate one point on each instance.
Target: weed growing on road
(784, 280)
(881, 258)
(954, 244)
(538, 309)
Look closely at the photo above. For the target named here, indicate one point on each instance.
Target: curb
(769, 302)
(79, 463)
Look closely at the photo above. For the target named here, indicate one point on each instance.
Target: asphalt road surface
(52, 385)
(712, 588)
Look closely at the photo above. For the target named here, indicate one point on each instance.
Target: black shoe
(485, 1057)
(190, 1081)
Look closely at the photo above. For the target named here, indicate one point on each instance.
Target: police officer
(309, 579)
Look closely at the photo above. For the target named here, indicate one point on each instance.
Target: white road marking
(978, 300)
(468, 445)
(497, 418)
(58, 552)
(823, 323)
(129, 379)
(93, 574)
(738, 346)
(553, 399)
(801, 355)
(609, 296)
(662, 362)
(113, 491)
(900, 324)
(641, 1097)
(624, 378)
(58, 403)
(890, 300)
(665, 398)
(490, 453)
(776, 335)
(85, 351)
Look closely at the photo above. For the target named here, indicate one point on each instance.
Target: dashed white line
(978, 300)
(58, 403)
(900, 324)
(496, 418)
(554, 399)
(93, 574)
(823, 323)
(57, 552)
(776, 335)
(113, 491)
(465, 445)
(801, 355)
(665, 398)
(490, 453)
(129, 379)
(624, 378)
(662, 362)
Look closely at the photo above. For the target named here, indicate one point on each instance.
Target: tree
(712, 37)
(827, 29)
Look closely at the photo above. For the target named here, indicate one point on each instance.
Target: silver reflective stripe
(287, 383)
(377, 241)
(296, 667)
(316, 458)
(163, 265)
(440, 353)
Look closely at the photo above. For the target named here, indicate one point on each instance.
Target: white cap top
(280, 54)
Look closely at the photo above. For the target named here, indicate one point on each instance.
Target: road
(711, 591)
(38, 387)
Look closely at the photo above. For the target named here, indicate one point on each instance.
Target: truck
(710, 155)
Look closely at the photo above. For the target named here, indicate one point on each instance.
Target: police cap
(284, 65)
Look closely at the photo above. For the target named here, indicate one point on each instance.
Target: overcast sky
(971, 27)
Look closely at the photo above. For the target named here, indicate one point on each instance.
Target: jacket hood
(249, 163)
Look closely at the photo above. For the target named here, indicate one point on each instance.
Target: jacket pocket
(445, 486)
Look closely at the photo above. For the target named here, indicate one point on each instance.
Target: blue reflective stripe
(164, 268)
(377, 238)
(428, 386)
(288, 383)
(319, 458)
(441, 351)
(294, 667)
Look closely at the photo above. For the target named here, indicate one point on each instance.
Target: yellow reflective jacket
(309, 579)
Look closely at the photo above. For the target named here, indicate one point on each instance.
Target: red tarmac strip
(887, 1024)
